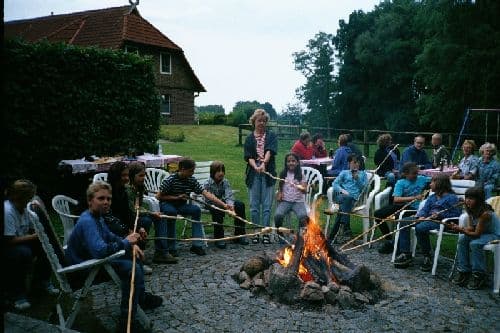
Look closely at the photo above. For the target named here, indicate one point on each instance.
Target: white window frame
(162, 55)
(135, 49)
(166, 98)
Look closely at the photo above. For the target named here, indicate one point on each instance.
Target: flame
(314, 245)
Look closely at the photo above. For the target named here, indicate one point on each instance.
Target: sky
(241, 50)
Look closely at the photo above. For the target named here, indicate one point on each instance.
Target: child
(91, 239)
(442, 204)
(319, 146)
(21, 246)
(407, 189)
(174, 194)
(483, 226)
(290, 197)
(219, 186)
(347, 188)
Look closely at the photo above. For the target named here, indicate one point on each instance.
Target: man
(416, 154)
(303, 147)
(439, 151)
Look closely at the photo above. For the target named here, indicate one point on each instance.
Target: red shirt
(319, 149)
(303, 152)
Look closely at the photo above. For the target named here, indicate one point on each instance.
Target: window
(131, 49)
(165, 63)
(165, 105)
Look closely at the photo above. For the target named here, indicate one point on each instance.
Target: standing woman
(260, 148)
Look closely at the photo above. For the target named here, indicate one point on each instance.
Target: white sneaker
(22, 304)
(147, 270)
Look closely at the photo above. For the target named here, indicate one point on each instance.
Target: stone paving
(201, 296)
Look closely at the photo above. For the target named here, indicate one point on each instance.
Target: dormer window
(165, 63)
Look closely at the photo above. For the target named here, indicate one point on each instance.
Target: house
(123, 28)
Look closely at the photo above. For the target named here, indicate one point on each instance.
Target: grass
(208, 143)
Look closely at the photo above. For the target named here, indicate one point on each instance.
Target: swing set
(466, 123)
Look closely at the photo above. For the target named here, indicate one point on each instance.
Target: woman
(339, 162)
(468, 167)
(303, 147)
(489, 168)
(260, 149)
(482, 227)
(389, 167)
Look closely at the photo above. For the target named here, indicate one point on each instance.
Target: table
(316, 161)
(437, 171)
(102, 164)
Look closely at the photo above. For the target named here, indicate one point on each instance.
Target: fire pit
(310, 271)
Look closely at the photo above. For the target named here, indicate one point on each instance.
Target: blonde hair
(259, 113)
(96, 187)
(488, 146)
(343, 139)
(470, 143)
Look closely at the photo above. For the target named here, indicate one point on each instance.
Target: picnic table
(450, 170)
(317, 161)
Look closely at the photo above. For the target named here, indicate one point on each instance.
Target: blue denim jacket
(488, 172)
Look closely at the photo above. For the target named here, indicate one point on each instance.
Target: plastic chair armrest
(90, 263)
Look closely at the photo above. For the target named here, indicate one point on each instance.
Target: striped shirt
(174, 185)
(290, 192)
(261, 139)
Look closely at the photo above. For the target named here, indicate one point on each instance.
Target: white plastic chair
(61, 205)
(381, 199)
(364, 206)
(101, 176)
(153, 180)
(93, 267)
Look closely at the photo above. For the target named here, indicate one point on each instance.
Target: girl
(120, 219)
(219, 186)
(290, 197)
(136, 190)
(347, 188)
(442, 204)
(483, 226)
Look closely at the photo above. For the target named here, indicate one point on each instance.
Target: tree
(316, 64)
(292, 114)
(215, 109)
(243, 110)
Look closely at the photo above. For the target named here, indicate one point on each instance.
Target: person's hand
(143, 233)
(133, 238)
(344, 192)
(156, 215)
(433, 216)
(183, 196)
(419, 197)
(138, 252)
(279, 196)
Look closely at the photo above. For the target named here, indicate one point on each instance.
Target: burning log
(297, 253)
(318, 268)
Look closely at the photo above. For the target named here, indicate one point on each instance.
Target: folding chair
(61, 205)
(93, 267)
(153, 180)
(101, 176)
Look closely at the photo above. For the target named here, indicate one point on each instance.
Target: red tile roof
(107, 28)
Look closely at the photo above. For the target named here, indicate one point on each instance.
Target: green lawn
(204, 143)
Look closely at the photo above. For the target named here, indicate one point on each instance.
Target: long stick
(132, 277)
(298, 186)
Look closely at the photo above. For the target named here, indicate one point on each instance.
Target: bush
(66, 102)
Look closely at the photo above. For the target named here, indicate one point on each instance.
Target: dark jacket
(388, 164)
(419, 157)
(250, 151)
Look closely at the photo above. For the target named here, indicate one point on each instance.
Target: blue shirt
(488, 172)
(347, 182)
(469, 166)
(339, 162)
(434, 204)
(91, 239)
(406, 188)
(417, 156)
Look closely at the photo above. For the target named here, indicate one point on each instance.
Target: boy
(174, 195)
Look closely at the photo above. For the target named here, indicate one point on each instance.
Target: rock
(369, 296)
(311, 291)
(324, 289)
(265, 276)
(259, 275)
(243, 276)
(245, 284)
(335, 287)
(258, 283)
(359, 279)
(283, 285)
(345, 288)
(361, 298)
(254, 265)
(330, 295)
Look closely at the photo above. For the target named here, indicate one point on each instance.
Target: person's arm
(337, 184)
(213, 198)
(96, 245)
(425, 211)
(15, 240)
(483, 223)
(228, 191)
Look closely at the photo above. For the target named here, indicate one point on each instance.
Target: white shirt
(15, 223)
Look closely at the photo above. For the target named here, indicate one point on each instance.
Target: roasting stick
(132, 277)
(298, 186)
(415, 222)
(388, 218)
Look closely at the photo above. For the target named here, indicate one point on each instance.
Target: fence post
(240, 135)
(366, 146)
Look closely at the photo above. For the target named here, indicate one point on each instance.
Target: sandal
(266, 239)
(256, 239)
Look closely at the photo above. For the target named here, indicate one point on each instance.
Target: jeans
(19, 260)
(470, 253)
(123, 267)
(261, 200)
(346, 203)
(218, 217)
(186, 209)
(284, 207)
(422, 232)
(383, 213)
(391, 178)
(145, 221)
(488, 190)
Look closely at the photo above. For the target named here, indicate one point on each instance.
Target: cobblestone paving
(201, 296)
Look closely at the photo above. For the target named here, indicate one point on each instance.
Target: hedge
(67, 102)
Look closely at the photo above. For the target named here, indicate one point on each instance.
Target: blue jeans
(261, 200)
(123, 267)
(391, 178)
(488, 190)
(470, 253)
(186, 209)
(284, 207)
(346, 203)
(422, 232)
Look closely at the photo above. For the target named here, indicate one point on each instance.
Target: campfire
(310, 270)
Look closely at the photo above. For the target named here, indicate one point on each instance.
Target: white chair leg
(396, 240)
(366, 224)
(413, 237)
(496, 272)
(438, 248)
(327, 224)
